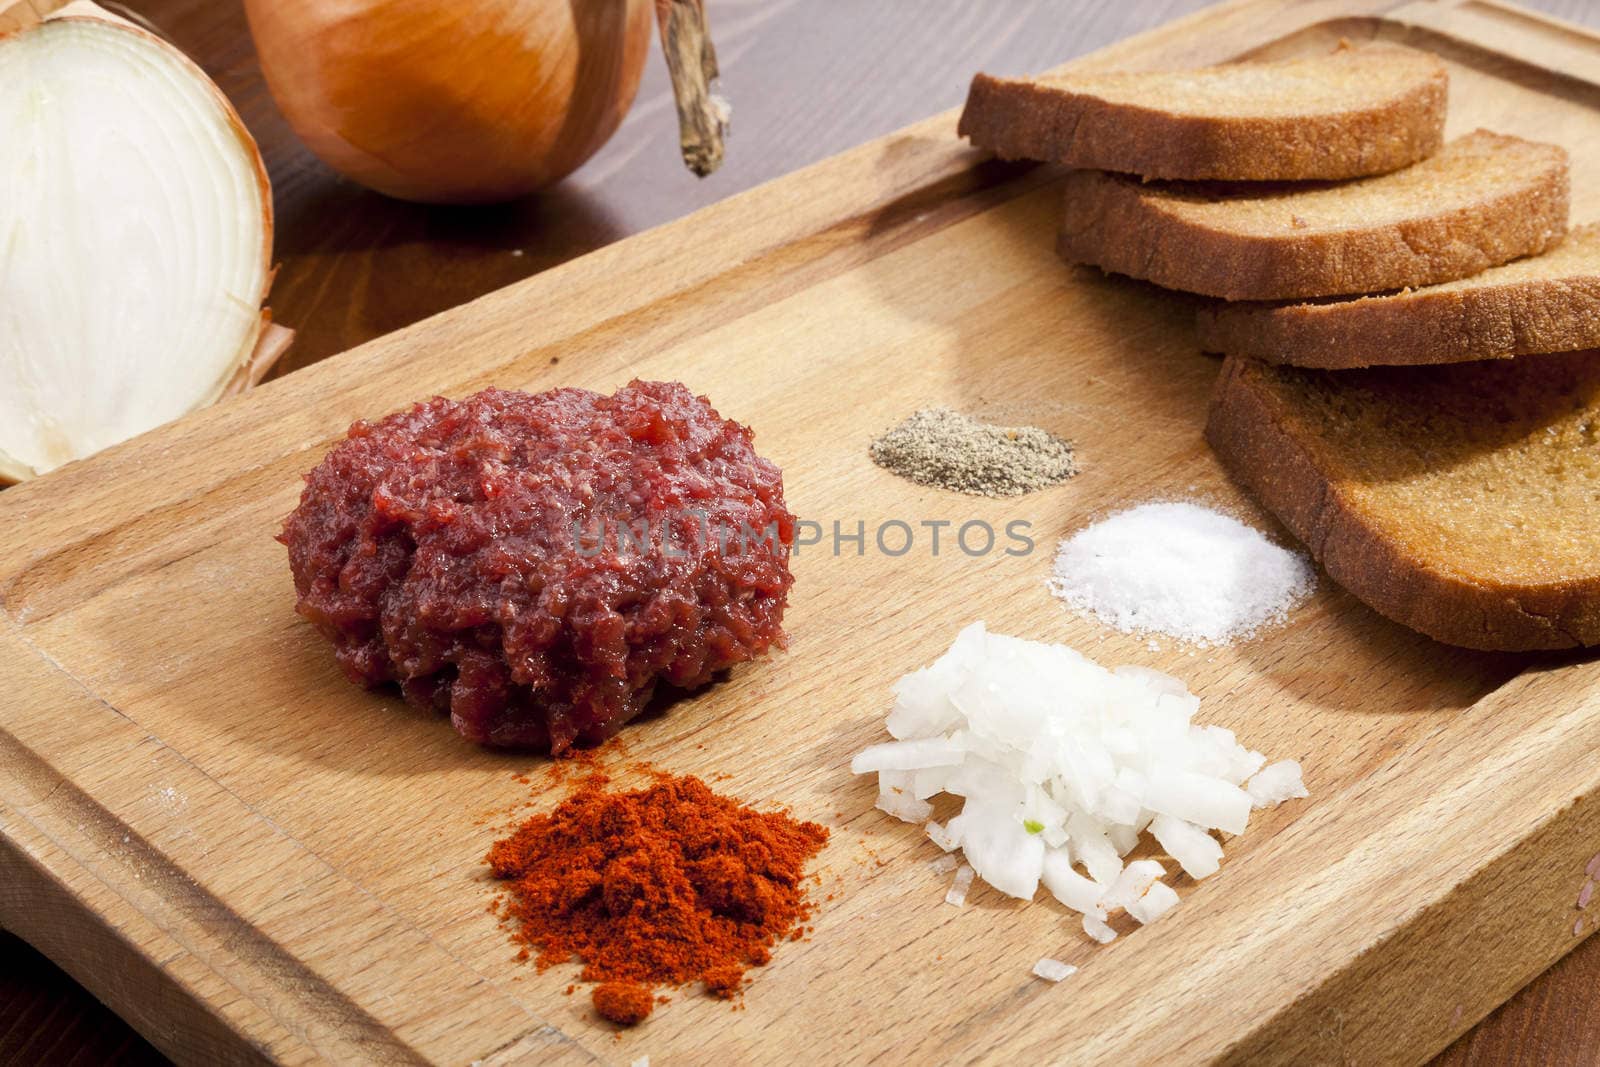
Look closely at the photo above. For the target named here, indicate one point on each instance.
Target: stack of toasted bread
(1405, 321)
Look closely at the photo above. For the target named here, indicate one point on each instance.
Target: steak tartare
(536, 564)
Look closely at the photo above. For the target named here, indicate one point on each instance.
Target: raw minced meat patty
(536, 564)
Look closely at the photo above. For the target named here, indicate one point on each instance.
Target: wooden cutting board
(250, 859)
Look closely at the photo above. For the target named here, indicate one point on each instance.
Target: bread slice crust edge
(1518, 318)
(1024, 119)
(1247, 431)
(1111, 222)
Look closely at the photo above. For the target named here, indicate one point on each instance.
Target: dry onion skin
(453, 101)
(135, 239)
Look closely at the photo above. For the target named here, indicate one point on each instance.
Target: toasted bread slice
(1548, 303)
(1355, 112)
(1459, 500)
(1484, 199)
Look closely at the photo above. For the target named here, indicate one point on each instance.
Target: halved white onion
(135, 239)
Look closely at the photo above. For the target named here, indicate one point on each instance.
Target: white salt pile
(1181, 570)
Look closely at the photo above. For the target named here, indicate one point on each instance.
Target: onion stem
(692, 63)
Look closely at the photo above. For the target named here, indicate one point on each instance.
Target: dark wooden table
(808, 78)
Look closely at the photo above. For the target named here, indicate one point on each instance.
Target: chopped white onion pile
(1063, 765)
(957, 893)
(135, 240)
(1053, 970)
(1275, 783)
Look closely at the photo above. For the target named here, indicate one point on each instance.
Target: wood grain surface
(807, 81)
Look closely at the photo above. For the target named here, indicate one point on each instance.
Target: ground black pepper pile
(949, 450)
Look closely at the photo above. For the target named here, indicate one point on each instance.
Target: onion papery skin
(475, 101)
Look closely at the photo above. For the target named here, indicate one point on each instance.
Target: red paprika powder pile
(664, 885)
(624, 1003)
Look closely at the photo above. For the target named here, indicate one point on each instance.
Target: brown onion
(453, 101)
